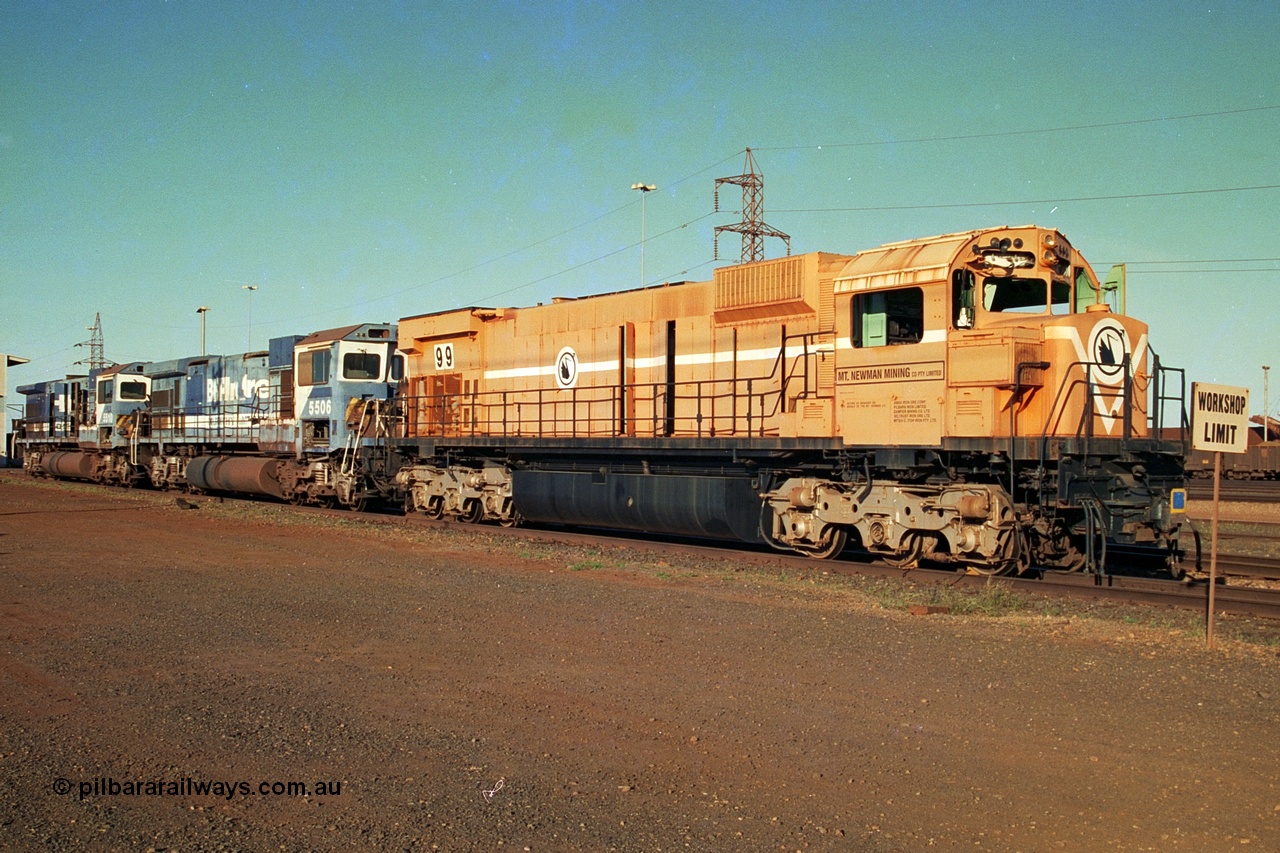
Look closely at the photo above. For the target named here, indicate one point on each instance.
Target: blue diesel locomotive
(299, 421)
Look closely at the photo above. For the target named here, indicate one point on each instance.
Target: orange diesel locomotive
(966, 399)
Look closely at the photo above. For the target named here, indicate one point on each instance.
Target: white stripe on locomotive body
(930, 336)
(685, 360)
(211, 422)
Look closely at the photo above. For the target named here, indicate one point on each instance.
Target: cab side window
(962, 290)
(132, 390)
(1086, 290)
(1012, 294)
(888, 317)
(1059, 298)
(313, 367)
(361, 365)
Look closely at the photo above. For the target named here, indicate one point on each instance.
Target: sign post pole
(1213, 545)
(1219, 423)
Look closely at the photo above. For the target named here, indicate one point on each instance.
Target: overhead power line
(1028, 132)
(1178, 272)
(1209, 261)
(1024, 201)
(717, 164)
(582, 264)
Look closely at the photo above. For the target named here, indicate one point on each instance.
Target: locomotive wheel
(512, 520)
(831, 545)
(359, 504)
(909, 556)
(434, 508)
(992, 569)
(472, 511)
(1016, 560)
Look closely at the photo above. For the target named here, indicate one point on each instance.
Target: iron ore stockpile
(184, 673)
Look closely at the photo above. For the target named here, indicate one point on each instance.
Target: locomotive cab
(119, 391)
(341, 384)
(991, 357)
(338, 373)
(939, 343)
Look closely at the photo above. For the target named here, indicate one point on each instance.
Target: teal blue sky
(364, 162)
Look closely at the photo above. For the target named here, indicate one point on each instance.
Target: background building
(6, 361)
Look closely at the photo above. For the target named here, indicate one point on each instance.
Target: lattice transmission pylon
(97, 360)
(752, 227)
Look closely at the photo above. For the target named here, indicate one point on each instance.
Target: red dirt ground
(472, 691)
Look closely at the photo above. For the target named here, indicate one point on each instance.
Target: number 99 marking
(444, 356)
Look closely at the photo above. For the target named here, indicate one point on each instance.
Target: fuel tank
(69, 464)
(713, 507)
(252, 475)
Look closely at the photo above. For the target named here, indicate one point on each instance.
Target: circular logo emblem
(1108, 346)
(567, 368)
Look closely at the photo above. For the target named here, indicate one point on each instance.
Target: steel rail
(1246, 566)
(1184, 594)
(1258, 491)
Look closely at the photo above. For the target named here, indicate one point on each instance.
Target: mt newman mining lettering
(1221, 404)
(859, 375)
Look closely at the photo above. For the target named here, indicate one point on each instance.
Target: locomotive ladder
(368, 414)
(134, 438)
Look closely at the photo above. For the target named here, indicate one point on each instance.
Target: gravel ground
(470, 691)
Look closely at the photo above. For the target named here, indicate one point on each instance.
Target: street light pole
(1266, 402)
(644, 189)
(202, 310)
(251, 288)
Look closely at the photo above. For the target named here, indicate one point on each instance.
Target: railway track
(1241, 601)
(1133, 589)
(1245, 535)
(1253, 491)
(1244, 566)
(1245, 601)
(1184, 594)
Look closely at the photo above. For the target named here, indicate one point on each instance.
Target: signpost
(1219, 423)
